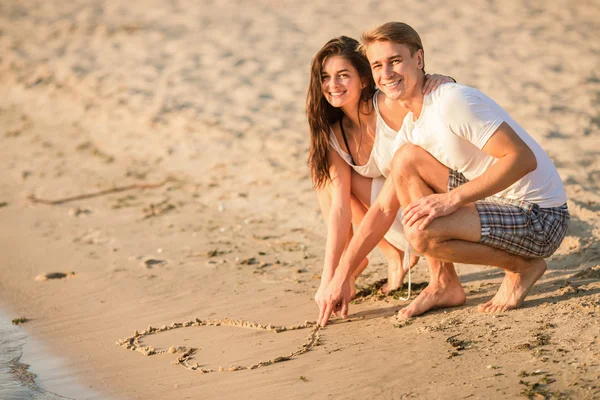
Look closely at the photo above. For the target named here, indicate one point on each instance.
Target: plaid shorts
(519, 227)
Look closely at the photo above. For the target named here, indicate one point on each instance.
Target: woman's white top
(382, 153)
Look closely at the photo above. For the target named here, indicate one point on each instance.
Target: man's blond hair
(397, 32)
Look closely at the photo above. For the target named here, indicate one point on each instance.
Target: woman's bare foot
(352, 287)
(445, 291)
(515, 287)
(355, 275)
(396, 272)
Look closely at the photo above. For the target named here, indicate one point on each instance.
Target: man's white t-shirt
(455, 124)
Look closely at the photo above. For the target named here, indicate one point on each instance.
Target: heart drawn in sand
(132, 343)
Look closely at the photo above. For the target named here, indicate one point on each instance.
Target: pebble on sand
(54, 275)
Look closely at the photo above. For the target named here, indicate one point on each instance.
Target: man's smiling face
(395, 71)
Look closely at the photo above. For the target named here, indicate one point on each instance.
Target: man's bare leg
(437, 241)
(361, 190)
(455, 237)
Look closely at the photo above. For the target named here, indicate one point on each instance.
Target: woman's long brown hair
(321, 115)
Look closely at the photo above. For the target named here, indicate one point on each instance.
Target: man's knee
(420, 240)
(406, 160)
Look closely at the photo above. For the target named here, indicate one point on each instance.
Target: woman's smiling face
(340, 82)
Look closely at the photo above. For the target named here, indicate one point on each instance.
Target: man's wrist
(456, 199)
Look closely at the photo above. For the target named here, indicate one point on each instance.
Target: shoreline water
(29, 371)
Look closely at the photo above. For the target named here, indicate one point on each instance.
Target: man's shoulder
(450, 92)
(454, 99)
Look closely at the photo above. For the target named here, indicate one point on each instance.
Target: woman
(351, 150)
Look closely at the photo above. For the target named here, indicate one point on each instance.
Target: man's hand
(432, 206)
(333, 299)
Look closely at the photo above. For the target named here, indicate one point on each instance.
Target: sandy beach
(185, 123)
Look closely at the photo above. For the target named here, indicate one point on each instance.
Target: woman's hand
(319, 299)
(433, 81)
(336, 297)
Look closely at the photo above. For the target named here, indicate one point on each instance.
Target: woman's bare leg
(361, 194)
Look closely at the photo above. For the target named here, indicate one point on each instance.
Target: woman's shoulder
(335, 137)
(335, 128)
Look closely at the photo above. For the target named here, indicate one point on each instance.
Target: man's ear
(420, 59)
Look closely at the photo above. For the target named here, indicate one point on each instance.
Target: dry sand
(102, 94)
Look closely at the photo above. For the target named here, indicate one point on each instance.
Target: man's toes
(500, 308)
(403, 314)
(483, 307)
(489, 308)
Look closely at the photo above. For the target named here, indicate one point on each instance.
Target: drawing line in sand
(132, 343)
(36, 200)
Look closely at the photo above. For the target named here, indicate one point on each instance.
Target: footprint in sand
(54, 275)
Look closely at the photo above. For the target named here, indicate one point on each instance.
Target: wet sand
(29, 370)
(187, 119)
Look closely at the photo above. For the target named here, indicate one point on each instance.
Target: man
(474, 186)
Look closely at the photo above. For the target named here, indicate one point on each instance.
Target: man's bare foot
(396, 272)
(515, 287)
(436, 295)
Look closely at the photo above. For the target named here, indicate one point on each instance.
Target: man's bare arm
(515, 160)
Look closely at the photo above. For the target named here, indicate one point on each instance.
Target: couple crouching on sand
(420, 162)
